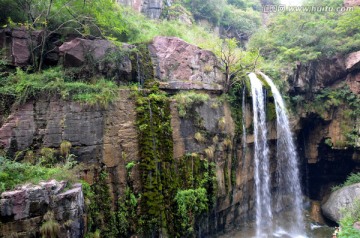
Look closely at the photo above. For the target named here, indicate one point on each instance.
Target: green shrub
(305, 36)
(50, 228)
(241, 21)
(187, 100)
(23, 87)
(353, 178)
(191, 202)
(349, 217)
(211, 10)
(14, 173)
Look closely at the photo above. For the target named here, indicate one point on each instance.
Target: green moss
(156, 163)
(101, 216)
(186, 102)
(342, 101)
(141, 60)
(270, 111)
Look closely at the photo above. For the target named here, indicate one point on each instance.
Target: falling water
(261, 159)
(289, 194)
(243, 124)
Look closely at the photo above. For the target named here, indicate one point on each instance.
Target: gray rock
(20, 207)
(341, 199)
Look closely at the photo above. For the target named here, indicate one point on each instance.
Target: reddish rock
(180, 65)
(357, 225)
(351, 3)
(97, 56)
(19, 44)
(353, 80)
(352, 61)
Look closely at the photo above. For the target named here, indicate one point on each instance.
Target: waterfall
(288, 196)
(261, 158)
(243, 110)
(287, 172)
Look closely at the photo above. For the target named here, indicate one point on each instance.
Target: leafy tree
(10, 9)
(211, 10)
(235, 62)
(306, 36)
(93, 17)
(242, 23)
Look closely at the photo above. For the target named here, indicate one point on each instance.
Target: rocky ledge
(24, 210)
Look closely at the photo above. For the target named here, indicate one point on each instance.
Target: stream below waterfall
(312, 229)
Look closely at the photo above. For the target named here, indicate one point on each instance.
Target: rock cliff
(108, 138)
(325, 101)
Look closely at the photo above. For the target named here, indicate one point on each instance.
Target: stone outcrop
(343, 198)
(317, 75)
(46, 123)
(314, 76)
(323, 130)
(98, 57)
(22, 210)
(353, 67)
(352, 61)
(17, 44)
(182, 66)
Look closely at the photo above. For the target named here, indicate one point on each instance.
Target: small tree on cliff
(235, 62)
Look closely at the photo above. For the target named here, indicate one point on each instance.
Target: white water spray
(261, 158)
(289, 195)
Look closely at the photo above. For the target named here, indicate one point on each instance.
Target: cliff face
(325, 103)
(108, 138)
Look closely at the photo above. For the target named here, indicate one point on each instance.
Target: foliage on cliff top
(13, 173)
(309, 35)
(97, 18)
(23, 86)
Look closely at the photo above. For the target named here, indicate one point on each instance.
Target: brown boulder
(182, 66)
(98, 57)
